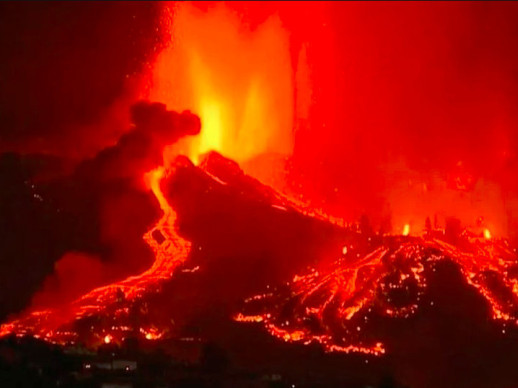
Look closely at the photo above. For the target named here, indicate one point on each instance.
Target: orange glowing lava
(239, 81)
(51, 324)
(333, 305)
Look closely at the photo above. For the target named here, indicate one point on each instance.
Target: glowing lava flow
(54, 324)
(334, 306)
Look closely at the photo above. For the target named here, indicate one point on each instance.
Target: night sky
(63, 66)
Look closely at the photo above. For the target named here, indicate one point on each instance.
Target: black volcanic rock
(242, 230)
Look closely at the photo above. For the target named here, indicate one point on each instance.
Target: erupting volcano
(285, 204)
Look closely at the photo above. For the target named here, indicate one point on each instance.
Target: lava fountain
(238, 80)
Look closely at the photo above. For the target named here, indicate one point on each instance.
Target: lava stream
(171, 252)
(334, 306)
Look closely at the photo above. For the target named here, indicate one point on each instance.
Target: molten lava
(171, 251)
(238, 80)
(333, 305)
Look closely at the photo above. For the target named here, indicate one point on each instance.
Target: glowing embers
(341, 306)
(333, 306)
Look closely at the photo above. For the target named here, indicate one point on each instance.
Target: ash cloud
(140, 149)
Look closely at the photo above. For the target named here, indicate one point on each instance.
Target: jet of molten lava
(239, 81)
(152, 180)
